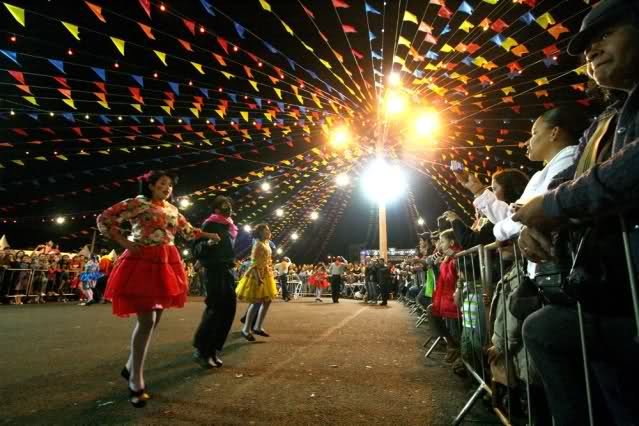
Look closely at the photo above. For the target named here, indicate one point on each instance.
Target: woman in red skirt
(149, 276)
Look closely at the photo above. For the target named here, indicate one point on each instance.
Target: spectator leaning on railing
(605, 182)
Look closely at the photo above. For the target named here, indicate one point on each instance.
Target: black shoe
(203, 361)
(125, 373)
(248, 337)
(137, 398)
(383, 304)
(91, 302)
(261, 333)
(243, 319)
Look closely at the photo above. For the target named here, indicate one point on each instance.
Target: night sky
(228, 134)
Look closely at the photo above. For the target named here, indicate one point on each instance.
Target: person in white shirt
(554, 141)
(485, 201)
(281, 268)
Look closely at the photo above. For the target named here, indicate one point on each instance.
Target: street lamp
(60, 220)
(294, 236)
(340, 137)
(279, 212)
(383, 182)
(314, 215)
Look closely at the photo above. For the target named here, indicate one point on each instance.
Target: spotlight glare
(294, 236)
(185, 203)
(395, 103)
(341, 137)
(394, 79)
(60, 220)
(247, 228)
(420, 222)
(185, 252)
(279, 212)
(383, 182)
(314, 215)
(427, 123)
(279, 251)
(266, 186)
(342, 180)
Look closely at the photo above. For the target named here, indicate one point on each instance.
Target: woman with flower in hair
(149, 276)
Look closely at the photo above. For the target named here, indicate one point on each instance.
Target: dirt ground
(338, 364)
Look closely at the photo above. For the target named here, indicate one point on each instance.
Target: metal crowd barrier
(31, 288)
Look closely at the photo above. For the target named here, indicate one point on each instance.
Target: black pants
(336, 287)
(220, 310)
(551, 335)
(384, 289)
(283, 279)
(100, 288)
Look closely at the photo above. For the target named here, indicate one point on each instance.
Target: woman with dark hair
(149, 276)
(509, 184)
(257, 286)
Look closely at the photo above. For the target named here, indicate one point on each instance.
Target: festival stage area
(346, 363)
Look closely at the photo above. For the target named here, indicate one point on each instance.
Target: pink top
(152, 222)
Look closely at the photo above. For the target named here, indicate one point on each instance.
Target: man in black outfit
(384, 280)
(217, 262)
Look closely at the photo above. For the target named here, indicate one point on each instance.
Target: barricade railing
(18, 283)
(14, 280)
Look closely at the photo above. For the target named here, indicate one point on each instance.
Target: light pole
(383, 232)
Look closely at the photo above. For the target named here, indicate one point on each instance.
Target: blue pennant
(208, 7)
(139, 79)
(258, 101)
(205, 92)
(11, 55)
(233, 97)
(175, 87)
(240, 30)
(58, 64)
(370, 9)
(100, 72)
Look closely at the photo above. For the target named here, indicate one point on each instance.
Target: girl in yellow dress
(257, 286)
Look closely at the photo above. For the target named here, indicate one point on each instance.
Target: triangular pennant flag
(11, 55)
(97, 10)
(17, 12)
(73, 29)
(31, 99)
(147, 30)
(119, 44)
(138, 79)
(254, 84)
(161, 56)
(166, 109)
(58, 64)
(207, 6)
(69, 102)
(198, 67)
(266, 6)
(146, 5)
(100, 72)
(195, 112)
(175, 87)
(409, 17)
(137, 106)
(18, 76)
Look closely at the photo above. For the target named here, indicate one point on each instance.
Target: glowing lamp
(427, 123)
(60, 220)
(314, 215)
(247, 228)
(294, 236)
(342, 180)
(279, 212)
(383, 182)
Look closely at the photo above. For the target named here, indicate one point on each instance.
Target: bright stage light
(394, 79)
(279, 251)
(247, 228)
(342, 180)
(60, 220)
(314, 215)
(395, 103)
(427, 123)
(294, 236)
(383, 182)
(420, 222)
(279, 212)
(340, 137)
(266, 186)
(185, 203)
(185, 252)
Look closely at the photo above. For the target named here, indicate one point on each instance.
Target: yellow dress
(258, 283)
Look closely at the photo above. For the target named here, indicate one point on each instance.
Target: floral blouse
(261, 256)
(152, 222)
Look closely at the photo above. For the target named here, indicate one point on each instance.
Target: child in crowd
(319, 280)
(52, 279)
(445, 313)
(88, 279)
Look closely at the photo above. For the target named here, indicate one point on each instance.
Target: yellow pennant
(62, 157)
(195, 112)
(104, 104)
(31, 99)
(69, 102)
(268, 116)
(245, 115)
(326, 64)
(18, 162)
(198, 67)
(166, 109)
(17, 12)
(410, 17)
(119, 44)
(161, 56)
(265, 5)
(278, 92)
(137, 106)
(73, 29)
(228, 75)
(41, 158)
(254, 84)
(403, 41)
(287, 28)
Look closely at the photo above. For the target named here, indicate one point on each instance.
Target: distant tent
(113, 255)
(4, 243)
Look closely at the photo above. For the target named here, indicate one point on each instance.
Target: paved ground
(344, 364)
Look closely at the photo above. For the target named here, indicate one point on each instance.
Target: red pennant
(18, 76)
(190, 25)
(100, 86)
(498, 26)
(62, 81)
(444, 12)
(338, 3)
(146, 5)
(105, 129)
(551, 50)
(348, 29)
(224, 44)
(65, 92)
(308, 12)
(77, 130)
(185, 44)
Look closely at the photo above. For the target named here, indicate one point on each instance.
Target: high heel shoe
(126, 374)
(248, 336)
(136, 398)
(261, 333)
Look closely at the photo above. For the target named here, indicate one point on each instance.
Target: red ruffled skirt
(154, 278)
(317, 283)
